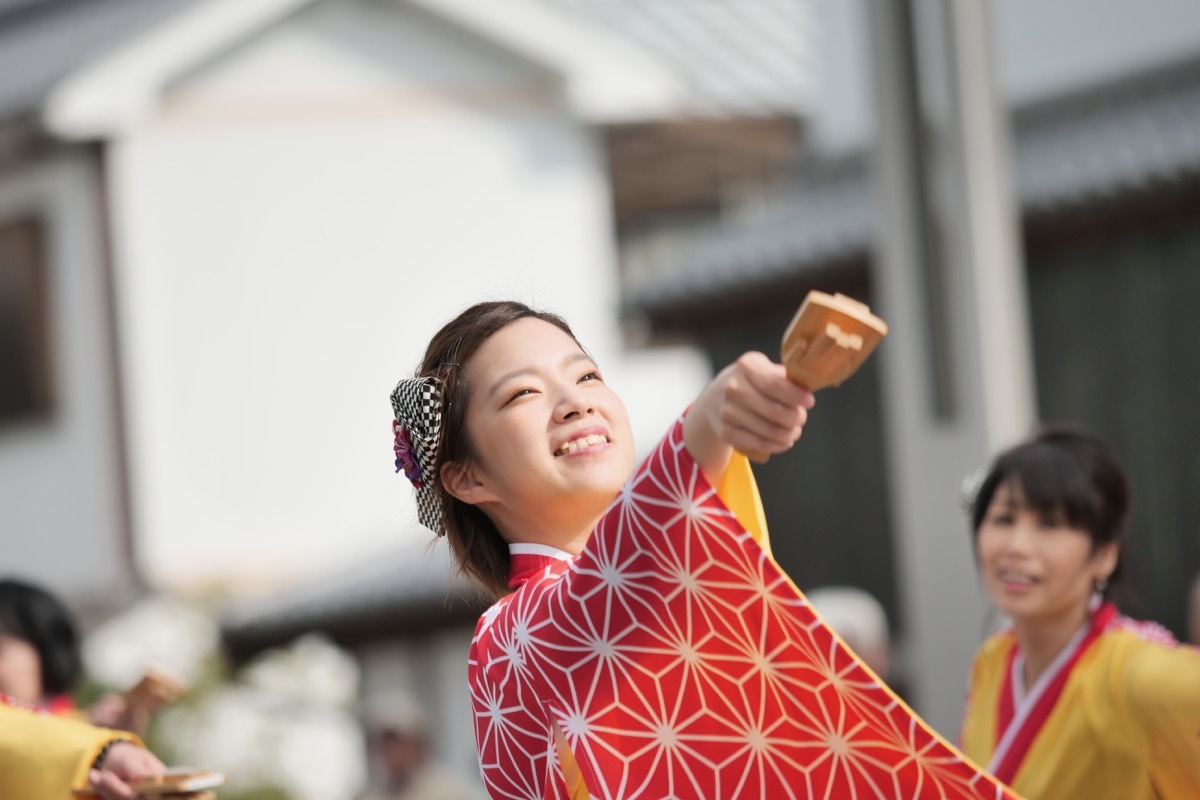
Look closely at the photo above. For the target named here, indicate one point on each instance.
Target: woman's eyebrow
(509, 376)
(576, 357)
(523, 371)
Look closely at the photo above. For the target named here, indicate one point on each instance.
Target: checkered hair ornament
(417, 403)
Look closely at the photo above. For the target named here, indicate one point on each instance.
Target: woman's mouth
(581, 443)
(1013, 579)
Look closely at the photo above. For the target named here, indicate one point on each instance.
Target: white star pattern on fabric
(680, 662)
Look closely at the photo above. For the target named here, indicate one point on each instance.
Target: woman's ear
(462, 480)
(1105, 559)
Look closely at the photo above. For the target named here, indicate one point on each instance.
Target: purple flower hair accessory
(406, 455)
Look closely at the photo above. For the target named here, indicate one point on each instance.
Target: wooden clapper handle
(827, 341)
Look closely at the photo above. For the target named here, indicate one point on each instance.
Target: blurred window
(26, 386)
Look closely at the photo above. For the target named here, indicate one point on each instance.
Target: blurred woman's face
(20, 669)
(1037, 568)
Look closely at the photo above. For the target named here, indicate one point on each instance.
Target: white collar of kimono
(1024, 701)
(530, 549)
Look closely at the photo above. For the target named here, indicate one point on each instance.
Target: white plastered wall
(290, 228)
(61, 522)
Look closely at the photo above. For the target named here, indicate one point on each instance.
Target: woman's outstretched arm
(751, 407)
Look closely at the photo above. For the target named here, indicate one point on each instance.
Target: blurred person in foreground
(403, 767)
(47, 757)
(1073, 699)
(41, 662)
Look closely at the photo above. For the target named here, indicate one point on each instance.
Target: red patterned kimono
(674, 659)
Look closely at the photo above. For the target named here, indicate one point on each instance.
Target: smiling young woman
(1073, 699)
(643, 643)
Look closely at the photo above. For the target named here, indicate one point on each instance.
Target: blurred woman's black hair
(32, 613)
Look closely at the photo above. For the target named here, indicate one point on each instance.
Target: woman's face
(20, 669)
(552, 442)
(1037, 569)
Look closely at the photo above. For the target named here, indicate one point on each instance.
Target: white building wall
(290, 229)
(61, 520)
(842, 117)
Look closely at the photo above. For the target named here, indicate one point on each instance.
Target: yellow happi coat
(44, 757)
(1126, 725)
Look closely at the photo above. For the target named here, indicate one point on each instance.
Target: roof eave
(114, 93)
(606, 79)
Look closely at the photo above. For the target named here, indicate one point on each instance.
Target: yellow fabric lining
(739, 492)
(572, 775)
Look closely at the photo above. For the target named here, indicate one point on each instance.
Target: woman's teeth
(579, 444)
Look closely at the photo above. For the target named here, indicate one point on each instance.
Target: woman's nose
(573, 403)
(1020, 536)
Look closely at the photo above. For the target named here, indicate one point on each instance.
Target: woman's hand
(113, 711)
(751, 407)
(123, 764)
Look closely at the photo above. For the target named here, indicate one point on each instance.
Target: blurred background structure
(227, 227)
(1104, 177)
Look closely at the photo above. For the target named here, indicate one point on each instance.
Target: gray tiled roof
(825, 218)
(409, 589)
(42, 41)
(749, 57)
(1106, 143)
(745, 57)
(1097, 146)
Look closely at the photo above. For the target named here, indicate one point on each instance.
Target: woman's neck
(569, 544)
(1041, 641)
(567, 535)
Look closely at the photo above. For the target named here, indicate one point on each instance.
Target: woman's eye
(591, 375)
(518, 394)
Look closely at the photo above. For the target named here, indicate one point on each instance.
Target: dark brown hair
(1067, 472)
(35, 615)
(475, 544)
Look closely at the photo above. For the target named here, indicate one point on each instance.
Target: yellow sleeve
(44, 757)
(1164, 690)
(739, 492)
(977, 735)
